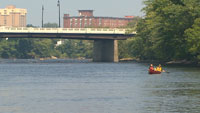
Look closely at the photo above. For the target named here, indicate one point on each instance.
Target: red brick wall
(90, 21)
(82, 22)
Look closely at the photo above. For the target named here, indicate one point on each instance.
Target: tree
(50, 25)
(43, 48)
(193, 39)
(76, 48)
(24, 47)
(30, 25)
(161, 34)
(8, 49)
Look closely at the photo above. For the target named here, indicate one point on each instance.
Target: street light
(59, 11)
(42, 16)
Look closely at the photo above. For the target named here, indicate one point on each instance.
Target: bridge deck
(68, 33)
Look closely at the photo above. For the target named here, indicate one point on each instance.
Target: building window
(23, 21)
(5, 12)
(100, 21)
(71, 24)
(5, 19)
(76, 22)
(5, 22)
(13, 18)
(80, 23)
(90, 22)
(85, 22)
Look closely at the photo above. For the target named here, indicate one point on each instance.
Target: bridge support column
(105, 51)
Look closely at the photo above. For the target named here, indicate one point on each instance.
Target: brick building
(86, 19)
(12, 16)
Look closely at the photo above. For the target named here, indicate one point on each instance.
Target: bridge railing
(64, 30)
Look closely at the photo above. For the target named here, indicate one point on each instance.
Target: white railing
(63, 30)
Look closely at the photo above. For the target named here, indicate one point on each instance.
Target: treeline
(170, 30)
(44, 48)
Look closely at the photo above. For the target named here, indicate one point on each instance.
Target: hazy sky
(113, 8)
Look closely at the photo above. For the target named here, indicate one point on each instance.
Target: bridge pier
(105, 51)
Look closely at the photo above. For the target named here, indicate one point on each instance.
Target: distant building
(60, 42)
(12, 16)
(86, 19)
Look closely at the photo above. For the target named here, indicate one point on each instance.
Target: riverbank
(27, 61)
(168, 63)
(124, 60)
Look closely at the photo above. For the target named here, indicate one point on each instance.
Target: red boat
(154, 72)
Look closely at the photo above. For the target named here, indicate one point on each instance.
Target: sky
(111, 8)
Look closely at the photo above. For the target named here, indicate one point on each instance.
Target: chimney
(66, 15)
(86, 13)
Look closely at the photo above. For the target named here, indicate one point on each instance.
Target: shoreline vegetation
(168, 33)
(54, 58)
(168, 63)
(122, 60)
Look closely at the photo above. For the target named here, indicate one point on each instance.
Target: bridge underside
(105, 51)
(105, 47)
(66, 36)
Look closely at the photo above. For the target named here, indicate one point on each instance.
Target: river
(73, 86)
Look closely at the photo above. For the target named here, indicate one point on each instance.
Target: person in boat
(159, 68)
(151, 68)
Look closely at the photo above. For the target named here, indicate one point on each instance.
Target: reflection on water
(74, 86)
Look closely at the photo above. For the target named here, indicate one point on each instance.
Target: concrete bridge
(105, 39)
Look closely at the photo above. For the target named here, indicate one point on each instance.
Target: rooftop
(85, 10)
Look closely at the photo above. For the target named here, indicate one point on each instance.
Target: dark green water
(71, 86)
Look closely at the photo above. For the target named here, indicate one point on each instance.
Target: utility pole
(42, 16)
(59, 11)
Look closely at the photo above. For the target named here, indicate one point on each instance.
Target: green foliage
(30, 25)
(76, 48)
(51, 25)
(124, 51)
(44, 48)
(7, 49)
(169, 31)
(126, 46)
(24, 47)
(193, 39)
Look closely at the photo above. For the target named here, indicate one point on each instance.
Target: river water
(70, 86)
